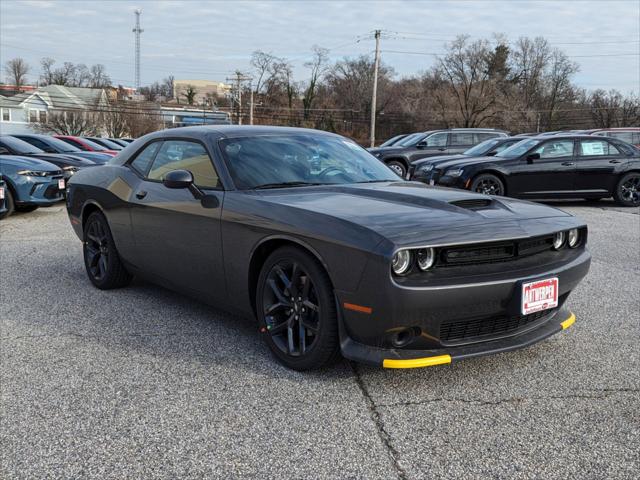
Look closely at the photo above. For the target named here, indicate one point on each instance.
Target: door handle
(615, 161)
(141, 194)
(441, 149)
(568, 164)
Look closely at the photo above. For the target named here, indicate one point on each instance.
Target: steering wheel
(329, 170)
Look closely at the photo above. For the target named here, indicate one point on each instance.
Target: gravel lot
(142, 382)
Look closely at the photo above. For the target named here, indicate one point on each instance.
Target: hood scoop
(473, 203)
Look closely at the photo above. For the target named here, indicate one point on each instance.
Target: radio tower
(137, 30)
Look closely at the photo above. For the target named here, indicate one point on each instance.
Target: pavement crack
(377, 420)
(597, 394)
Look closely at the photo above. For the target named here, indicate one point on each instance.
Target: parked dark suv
(402, 154)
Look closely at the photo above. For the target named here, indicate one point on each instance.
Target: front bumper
(40, 192)
(399, 358)
(462, 311)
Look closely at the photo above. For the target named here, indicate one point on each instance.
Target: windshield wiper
(377, 181)
(287, 184)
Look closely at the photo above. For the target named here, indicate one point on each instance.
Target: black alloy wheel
(628, 190)
(296, 310)
(101, 259)
(488, 185)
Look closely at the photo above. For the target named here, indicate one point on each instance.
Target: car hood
(461, 162)
(409, 213)
(439, 158)
(28, 162)
(390, 148)
(63, 158)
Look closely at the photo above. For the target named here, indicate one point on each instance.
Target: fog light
(574, 238)
(426, 258)
(558, 240)
(401, 262)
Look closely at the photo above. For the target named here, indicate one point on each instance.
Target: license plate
(432, 182)
(539, 295)
(61, 183)
(1, 193)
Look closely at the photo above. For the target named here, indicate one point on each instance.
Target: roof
(73, 97)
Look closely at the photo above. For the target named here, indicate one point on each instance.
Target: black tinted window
(461, 139)
(555, 149)
(437, 140)
(142, 162)
(184, 155)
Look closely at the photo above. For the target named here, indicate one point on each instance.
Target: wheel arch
(402, 160)
(89, 208)
(266, 247)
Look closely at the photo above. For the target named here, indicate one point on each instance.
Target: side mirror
(533, 156)
(4, 151)
(422, 144)
(178, 179)
(491, 154)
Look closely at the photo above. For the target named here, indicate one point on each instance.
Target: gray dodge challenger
(326, 247)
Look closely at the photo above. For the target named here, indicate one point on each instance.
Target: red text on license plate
(539, 295)
(61, 183)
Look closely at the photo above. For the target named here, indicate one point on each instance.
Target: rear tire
(398, 167)
(627, 191)
(8, 203)
(101, 258)
(296, 310)
(487, 184)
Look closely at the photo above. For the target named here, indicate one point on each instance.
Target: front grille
(51, 192)
(467, 330)
(494, 252)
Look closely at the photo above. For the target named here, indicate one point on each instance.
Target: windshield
(518, 149)
(94, 145)
(107, 143)
(60, 145)
(392, 141)
(482, 147)
(19, 146)
(272, 160)
(410, 140)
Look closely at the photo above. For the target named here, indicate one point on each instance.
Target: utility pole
(375, 89)
(137, 30)
(251, 104)
(239, 78)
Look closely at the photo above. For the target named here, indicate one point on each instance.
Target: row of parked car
(589, 164)
(34, 168)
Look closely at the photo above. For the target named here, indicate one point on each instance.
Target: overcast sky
(210, 39)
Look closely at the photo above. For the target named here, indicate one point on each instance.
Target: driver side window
(555, 149)
(184, 155)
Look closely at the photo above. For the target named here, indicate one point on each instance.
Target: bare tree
(190, 94)
(466, 70)
(98, 77)
(16, 71)
(74, 122)
(115, 119)
(318, 67)
(143, 118)
(262, 63)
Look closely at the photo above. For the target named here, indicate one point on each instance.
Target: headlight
(454, 172)
(71, 169)
(425, 168)
(33, 173)
(558, 240)
(401, 262)
(426, 258)
(573, 238)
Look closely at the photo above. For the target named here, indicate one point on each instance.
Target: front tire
(627, 191)
(101, 259)
(9, 203)
(398, 167)
(296, 310)
(487, 184)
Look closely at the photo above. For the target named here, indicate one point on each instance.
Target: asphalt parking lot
(142, 382)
